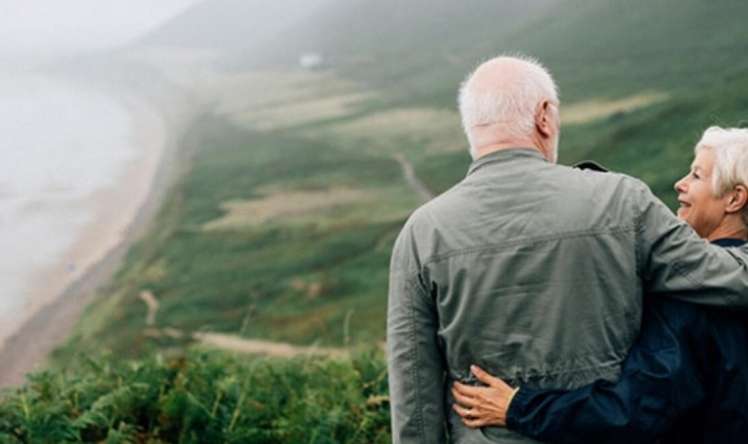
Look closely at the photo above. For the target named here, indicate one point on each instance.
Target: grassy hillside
(283, 226)
(282, 229)
(417, 51)
(610, 48)
(280, 272)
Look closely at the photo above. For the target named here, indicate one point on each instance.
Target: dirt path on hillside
(409, 173)
(242, 345)
(277, 349)
(231, 342)
(152, 304)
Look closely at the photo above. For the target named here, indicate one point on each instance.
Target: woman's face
(698, 205)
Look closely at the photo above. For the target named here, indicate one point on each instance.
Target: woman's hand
(483, 406)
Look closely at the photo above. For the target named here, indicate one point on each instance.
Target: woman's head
(714, 194)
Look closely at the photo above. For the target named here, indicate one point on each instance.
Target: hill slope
(422, 48)
(282, 229)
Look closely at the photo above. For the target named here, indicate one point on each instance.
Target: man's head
(713, 196)
(510, 102)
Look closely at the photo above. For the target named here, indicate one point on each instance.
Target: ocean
(61, 146)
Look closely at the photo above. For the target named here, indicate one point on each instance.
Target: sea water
(59, 144)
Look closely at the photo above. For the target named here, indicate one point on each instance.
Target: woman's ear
(738, 199)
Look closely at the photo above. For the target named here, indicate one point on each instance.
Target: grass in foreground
(203, 397)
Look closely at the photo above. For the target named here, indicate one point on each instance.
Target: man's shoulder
(446, 200)
(579, 189)
(427, 222)
(596, 173)
(596, 170)
(575, 181)
(607, 197)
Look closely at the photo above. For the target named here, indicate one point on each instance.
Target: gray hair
(730, 148)
(515, 105)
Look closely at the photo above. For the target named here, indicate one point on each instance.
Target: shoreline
(101, 249)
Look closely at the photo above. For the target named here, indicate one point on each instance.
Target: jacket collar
(729, 242)
(504, 155)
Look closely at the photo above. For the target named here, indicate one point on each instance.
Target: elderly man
(531, 270)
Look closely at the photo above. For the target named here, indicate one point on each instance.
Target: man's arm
(415, 364)
(675, 261)
(662, 378)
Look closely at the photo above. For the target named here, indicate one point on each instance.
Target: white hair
(730, 148)
(514, 105)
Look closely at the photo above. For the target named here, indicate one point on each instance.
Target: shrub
(204, 396)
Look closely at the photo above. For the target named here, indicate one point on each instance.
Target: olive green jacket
(535, 272)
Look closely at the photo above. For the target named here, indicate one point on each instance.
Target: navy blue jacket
(685, 380)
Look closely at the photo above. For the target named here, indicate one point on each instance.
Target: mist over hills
(339, 28)
(374, 42)
(420, 50)
(230, 25)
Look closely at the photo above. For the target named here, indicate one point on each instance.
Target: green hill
(282, 228)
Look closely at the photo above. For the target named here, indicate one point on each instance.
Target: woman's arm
(639, 408)
(661, 379)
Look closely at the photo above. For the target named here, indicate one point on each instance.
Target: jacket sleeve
(415, 366)
(673, 260)
(661, 380)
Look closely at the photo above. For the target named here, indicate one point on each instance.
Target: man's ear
(543, 121)
(738, 199)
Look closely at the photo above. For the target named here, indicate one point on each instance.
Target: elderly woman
(686, 377)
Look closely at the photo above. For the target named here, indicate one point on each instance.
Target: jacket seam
(639, 260)
(553, 372)
(420, 425)
(527, 240)
(604, 365)
(679, 269)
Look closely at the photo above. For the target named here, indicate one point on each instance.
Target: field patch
(266, 100)
(285, 205)
(429, 129)
(239, 91)
(298, 112)
(592, 110)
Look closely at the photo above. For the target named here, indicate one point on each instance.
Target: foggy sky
(45, 27)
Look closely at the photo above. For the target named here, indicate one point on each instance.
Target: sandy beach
(122, 214)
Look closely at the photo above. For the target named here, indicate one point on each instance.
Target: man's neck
(488, 149)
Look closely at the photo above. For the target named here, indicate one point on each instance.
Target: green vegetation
(292, 276)
(203, 398)
(283, 232)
